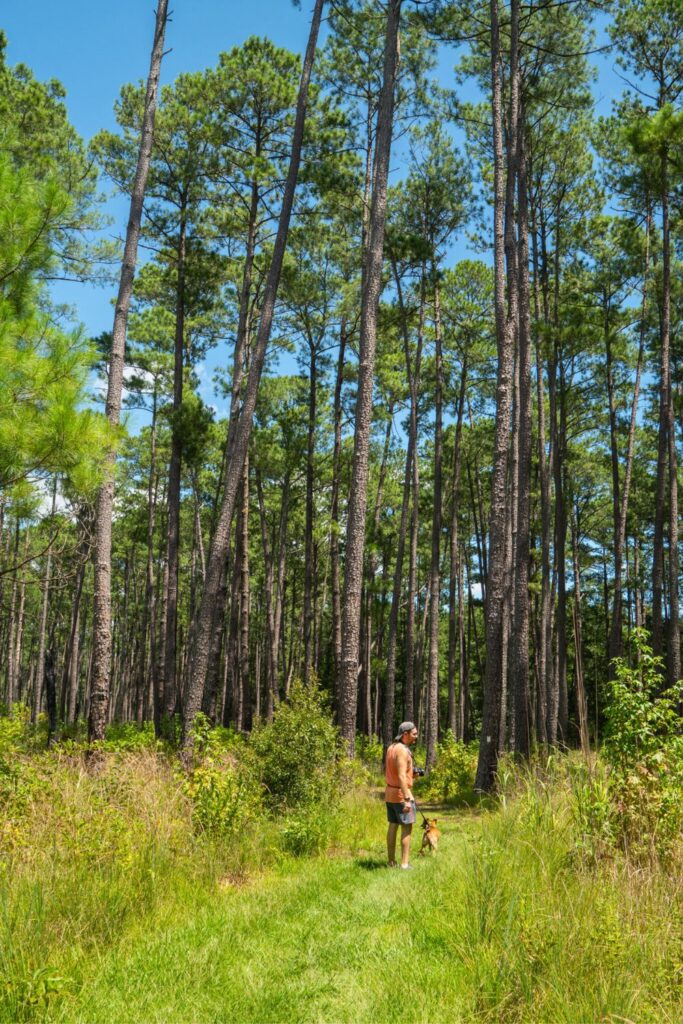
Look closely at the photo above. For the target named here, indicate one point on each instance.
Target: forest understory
(127, 895)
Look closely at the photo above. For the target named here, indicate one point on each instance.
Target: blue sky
(93, 48)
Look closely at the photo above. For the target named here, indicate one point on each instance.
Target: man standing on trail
(398, 794)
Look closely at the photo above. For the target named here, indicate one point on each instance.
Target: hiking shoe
(406, 867)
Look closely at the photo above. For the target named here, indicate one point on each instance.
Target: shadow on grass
(370, 863)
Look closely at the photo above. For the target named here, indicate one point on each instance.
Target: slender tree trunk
(334, 509)
(674, 638)
(495, 589)
(102, 644)
(412, 466)
(455, 561)
(309, 581)
(237, 450)
(19, 634)
(435, 569)
(520, 652)
(42, 632)
(615, 644)
(543, 657)
(355, 535)
(245, 601)
(581, 706)
(173, 496)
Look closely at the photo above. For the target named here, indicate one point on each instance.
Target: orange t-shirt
(393, 794)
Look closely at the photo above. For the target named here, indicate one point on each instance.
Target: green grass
(110, 911)
(500, 926)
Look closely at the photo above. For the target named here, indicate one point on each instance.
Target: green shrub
(298, 755)
(452, 777)
(15, 730)
(306, 831)
(644, 750)
(224, 790)
(130, 736)
(370, 750)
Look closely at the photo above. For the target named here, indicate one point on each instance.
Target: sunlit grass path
(330, 939)
(502, 926)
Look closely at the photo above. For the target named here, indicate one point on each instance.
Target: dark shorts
(397, 816)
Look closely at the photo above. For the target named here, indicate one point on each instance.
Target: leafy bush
(306, 830)
(224, 791)
(298, 755)
(644, 750)
(370, 750)
(14, 730)
(130, 736)
(452, 777)
(592, 807)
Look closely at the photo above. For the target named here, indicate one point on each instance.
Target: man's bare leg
(392, 831)
(406, 831)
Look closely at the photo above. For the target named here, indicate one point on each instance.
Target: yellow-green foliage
(223, 789)
(644, 749)
(630, 799)
(452, 777)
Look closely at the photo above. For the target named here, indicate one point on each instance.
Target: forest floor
(501, 925)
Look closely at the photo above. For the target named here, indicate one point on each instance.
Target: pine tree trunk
(334, 506)
(674, 637)
(543, 657)
(581, 706)
(413, 375)
(615, 644)
(347, 696)
(237, 449)
(245, 603)
(102, 642)
(42, 630)
(454, 625)
(435, 568)
(520, 651)
(173, 495)
(495, 589)
(308, 543)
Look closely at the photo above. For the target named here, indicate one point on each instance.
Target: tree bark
(42, 632)
(435, 567)
(238, 444)
(454, 626)
(520, 650)
(413, 375)
(309, 581)
(347, 696)
(334, 506)
(615, 644)
(102, 641)
(495, 589)
(173, 494)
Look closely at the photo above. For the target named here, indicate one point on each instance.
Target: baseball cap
(404, 727)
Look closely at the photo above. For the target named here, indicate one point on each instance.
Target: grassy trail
(502, 926)
(329, 939)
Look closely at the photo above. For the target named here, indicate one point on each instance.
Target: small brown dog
(431, 835)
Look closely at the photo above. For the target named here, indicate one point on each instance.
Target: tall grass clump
(81, 852)
(540, 933)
